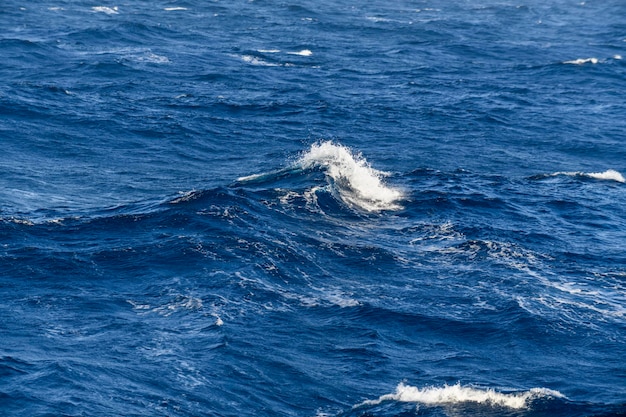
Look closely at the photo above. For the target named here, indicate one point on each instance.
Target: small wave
(150, 57)
(581, 61)
(105, 9)
(253, 60)
(457, 394)
(304, 52)
(179, 303)
(608, 175)
(357, 183)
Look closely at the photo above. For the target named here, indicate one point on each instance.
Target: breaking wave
(356, 182)
(608, 175)
(351, 178)
(457, 394)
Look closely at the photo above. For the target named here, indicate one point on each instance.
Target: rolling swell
(435, 283)
(179, 236)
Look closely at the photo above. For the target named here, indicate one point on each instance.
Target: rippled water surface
(262, 208)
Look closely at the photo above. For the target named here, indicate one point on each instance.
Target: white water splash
(456, 394)
(608, 175)
(357, 183)
(105, 9)
(581, 61)
(253, 60)
(304, 52)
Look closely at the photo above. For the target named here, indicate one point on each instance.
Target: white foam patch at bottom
(457, 394)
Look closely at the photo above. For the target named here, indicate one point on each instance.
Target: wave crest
(356, 182)
(456, 394)
(608, 175)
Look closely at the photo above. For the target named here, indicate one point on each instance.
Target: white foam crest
(358, 184)
(253, 60)
(377, 19)
(180, 303)
(252, 177)
(304, 52)
(581, 61)
(152, 58)
(457, 394)
(173, 9)
(608, 175)
(105, 9)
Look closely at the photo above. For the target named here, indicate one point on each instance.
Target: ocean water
(265, 208)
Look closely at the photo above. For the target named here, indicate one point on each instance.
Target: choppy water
(335, 209)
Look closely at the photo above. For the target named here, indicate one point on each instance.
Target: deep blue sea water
(266, 208)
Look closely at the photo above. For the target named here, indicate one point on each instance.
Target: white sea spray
(457, 394)
(357, 183)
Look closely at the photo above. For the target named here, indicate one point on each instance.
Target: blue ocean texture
(315, 209)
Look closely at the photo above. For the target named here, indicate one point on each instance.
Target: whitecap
(25, 222)
(356, 182)
(458, 394)
(173, 9)
(253, 60)
(252, 177)
(608, 175)
(377, 19)
(304, 52)
(268, 51)
(581, 61)
(153, 58)
(179, 303)
(105, 9)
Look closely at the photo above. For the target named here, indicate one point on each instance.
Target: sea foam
(357, 183)
(457, 394)
(105, 9)
(581, 61)
(608, 175)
